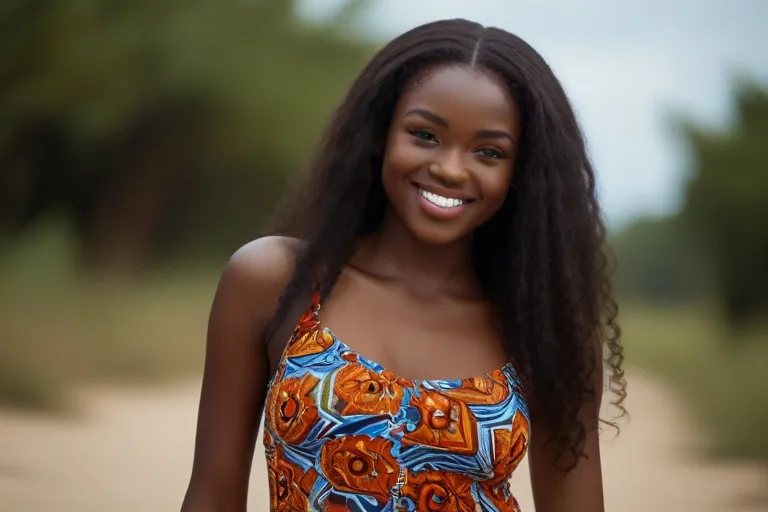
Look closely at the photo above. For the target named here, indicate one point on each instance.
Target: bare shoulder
(259, 270)
(266, 259)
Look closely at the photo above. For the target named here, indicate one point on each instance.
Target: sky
(629, 68)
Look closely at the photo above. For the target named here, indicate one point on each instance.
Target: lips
(441, 201)
(441, 204)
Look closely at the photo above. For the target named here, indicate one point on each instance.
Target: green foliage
(716, 247)
(726, 203)
(661, 262)
(178, 108)
(711, 254)
(98, 63)
(59, 332)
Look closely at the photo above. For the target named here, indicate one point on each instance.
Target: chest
(416, 338)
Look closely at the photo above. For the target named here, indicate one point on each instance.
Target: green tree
(726, 202)
(660, 261)
(161, 126)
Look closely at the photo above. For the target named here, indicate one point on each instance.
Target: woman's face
(450, 152)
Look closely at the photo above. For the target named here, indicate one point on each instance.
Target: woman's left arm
(581, 488)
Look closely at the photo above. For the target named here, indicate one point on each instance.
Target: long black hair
(541, 259)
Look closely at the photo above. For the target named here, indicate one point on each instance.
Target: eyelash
(424, 136)
(494, 153)
(430, 138)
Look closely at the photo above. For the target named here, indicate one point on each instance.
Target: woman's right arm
(236, 374)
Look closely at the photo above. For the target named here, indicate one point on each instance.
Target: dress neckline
(316, 306)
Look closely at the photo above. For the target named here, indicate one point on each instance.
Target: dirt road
(132, 452)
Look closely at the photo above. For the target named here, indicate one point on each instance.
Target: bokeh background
(142, 142)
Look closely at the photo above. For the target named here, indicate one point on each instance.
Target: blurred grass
(723, 379)
(57, 332)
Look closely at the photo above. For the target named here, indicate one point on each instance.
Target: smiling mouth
(442, 201)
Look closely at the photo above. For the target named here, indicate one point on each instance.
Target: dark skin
(408, 298)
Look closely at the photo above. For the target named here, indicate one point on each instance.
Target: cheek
(402, 156)
(495, 191)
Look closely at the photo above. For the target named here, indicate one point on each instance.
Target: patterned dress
(344, 434)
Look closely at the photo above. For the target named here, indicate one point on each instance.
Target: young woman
(433, 304)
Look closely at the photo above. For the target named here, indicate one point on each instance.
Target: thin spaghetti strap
(307, 316)
(310, 318)
(315, 306)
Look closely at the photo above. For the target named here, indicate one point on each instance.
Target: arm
(236, 375)
(581, 489)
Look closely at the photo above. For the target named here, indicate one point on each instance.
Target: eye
(424, 135)
(489, 153)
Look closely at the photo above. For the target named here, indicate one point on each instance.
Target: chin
(438, 235)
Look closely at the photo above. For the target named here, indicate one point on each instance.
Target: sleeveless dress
(344, 434)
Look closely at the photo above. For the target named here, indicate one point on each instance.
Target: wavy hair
(541, 260)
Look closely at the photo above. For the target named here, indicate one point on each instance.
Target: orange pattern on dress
(309, 338)
(439, 491)
(501, 499)
(487, 390)
(509, 449)
(444, 423)
(359, 390)
(344, 434)
(359, 464)
(292, 409)
(290, 483)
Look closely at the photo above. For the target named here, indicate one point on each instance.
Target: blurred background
(142, 142)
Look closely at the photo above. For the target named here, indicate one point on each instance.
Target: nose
(449, 171)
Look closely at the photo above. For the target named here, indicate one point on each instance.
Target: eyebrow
(494, 134)
(429, 116)
(441, 121)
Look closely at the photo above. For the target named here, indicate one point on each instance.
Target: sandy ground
(132, 451)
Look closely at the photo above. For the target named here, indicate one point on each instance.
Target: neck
(394, 254)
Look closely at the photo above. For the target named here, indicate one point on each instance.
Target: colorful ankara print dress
(344, 434)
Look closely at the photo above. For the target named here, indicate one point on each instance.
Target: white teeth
(442, 202)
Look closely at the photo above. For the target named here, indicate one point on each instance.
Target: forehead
(460, 93)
